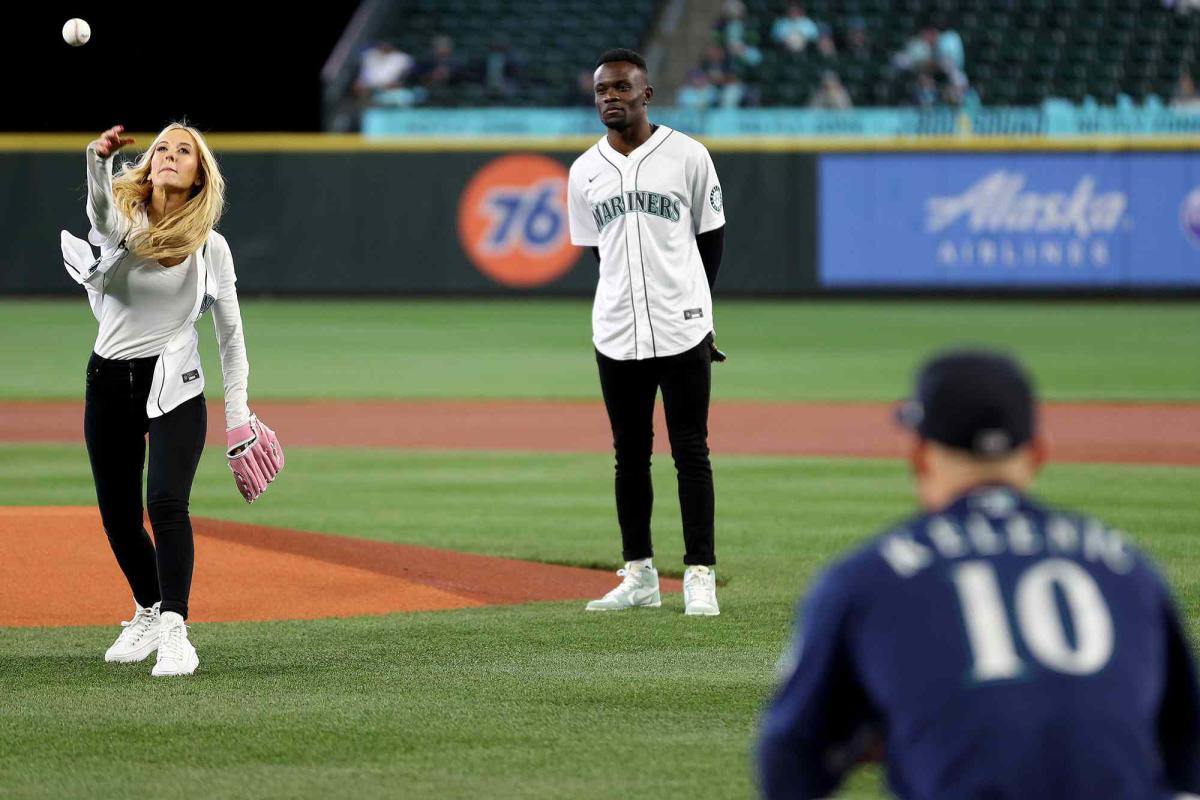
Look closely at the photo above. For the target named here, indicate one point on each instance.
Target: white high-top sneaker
(700, 592)
(176, 656)
(639, 589)
(139, 639)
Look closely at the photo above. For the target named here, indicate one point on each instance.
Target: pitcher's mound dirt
(56, 569)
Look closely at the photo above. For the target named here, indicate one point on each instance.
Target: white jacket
(177, 373)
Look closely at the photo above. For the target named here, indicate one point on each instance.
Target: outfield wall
(339, 215)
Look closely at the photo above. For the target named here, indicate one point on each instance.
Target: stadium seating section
(1018, 52)
(552, 40)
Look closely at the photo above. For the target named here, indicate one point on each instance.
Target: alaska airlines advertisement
(1122, 220)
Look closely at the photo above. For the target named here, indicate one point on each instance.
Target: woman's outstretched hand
(111, 141)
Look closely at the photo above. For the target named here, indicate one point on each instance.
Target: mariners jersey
(1001, 650)
(644, 211)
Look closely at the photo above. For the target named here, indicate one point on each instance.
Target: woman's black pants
(116, 429)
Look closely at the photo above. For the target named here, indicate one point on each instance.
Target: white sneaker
(176, 656)
(638, 589)
(700, 592)
(138, 640)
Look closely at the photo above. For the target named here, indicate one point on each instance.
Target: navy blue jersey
(999, 649)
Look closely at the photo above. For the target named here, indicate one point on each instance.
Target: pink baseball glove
(255, 457)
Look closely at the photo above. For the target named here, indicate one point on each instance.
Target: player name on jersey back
(979, 535)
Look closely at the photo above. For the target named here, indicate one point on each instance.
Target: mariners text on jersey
(635, 202)
(643, 211)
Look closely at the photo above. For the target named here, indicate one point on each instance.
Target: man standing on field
(646, 200)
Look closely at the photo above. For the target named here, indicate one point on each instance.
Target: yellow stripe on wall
(353, 143)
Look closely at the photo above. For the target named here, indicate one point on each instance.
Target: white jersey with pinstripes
(643, 211)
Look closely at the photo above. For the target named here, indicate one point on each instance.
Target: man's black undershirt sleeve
(596, 253)
(711, 246)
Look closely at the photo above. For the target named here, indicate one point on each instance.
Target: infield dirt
(1146, 433)
(247, 572)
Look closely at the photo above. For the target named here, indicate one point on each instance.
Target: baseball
(77, 32)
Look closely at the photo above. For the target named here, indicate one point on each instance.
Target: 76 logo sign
(532, 217)
(512, 220)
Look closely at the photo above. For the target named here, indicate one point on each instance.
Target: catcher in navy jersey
(993, 647)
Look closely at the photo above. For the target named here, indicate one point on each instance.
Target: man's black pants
(629, 389)
(115, 426)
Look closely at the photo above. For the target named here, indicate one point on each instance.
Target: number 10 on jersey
(1038, 620)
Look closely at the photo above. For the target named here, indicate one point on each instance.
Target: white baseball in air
(77, 32)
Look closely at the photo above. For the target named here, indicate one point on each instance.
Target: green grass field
(541, 349)
(540, 700)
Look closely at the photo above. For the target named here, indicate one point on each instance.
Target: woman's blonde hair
(183, 231)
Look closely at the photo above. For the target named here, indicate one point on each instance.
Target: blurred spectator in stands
(933, 62)
(715, 62)
(950, 54)
(383, 67)
(919, 52)
(501, 69)
(442, 66)
(731, 91)
(739, 39)
(925, 90)
(698, 93)
(826, 47)
(831, 94)
(583, 94)
(383, 78)
(382, 72)
(857, 46)
(1186, 98)
(1182, 6)
(744, 55)
(951, 63)
(722, 73)
(794, 30)
(957, 91)
(731, 25)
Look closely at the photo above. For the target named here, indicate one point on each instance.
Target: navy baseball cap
(973, 400)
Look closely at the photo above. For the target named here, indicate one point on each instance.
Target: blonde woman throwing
(161, 266)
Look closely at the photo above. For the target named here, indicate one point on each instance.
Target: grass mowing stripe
(542, 349)
(529, 701)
